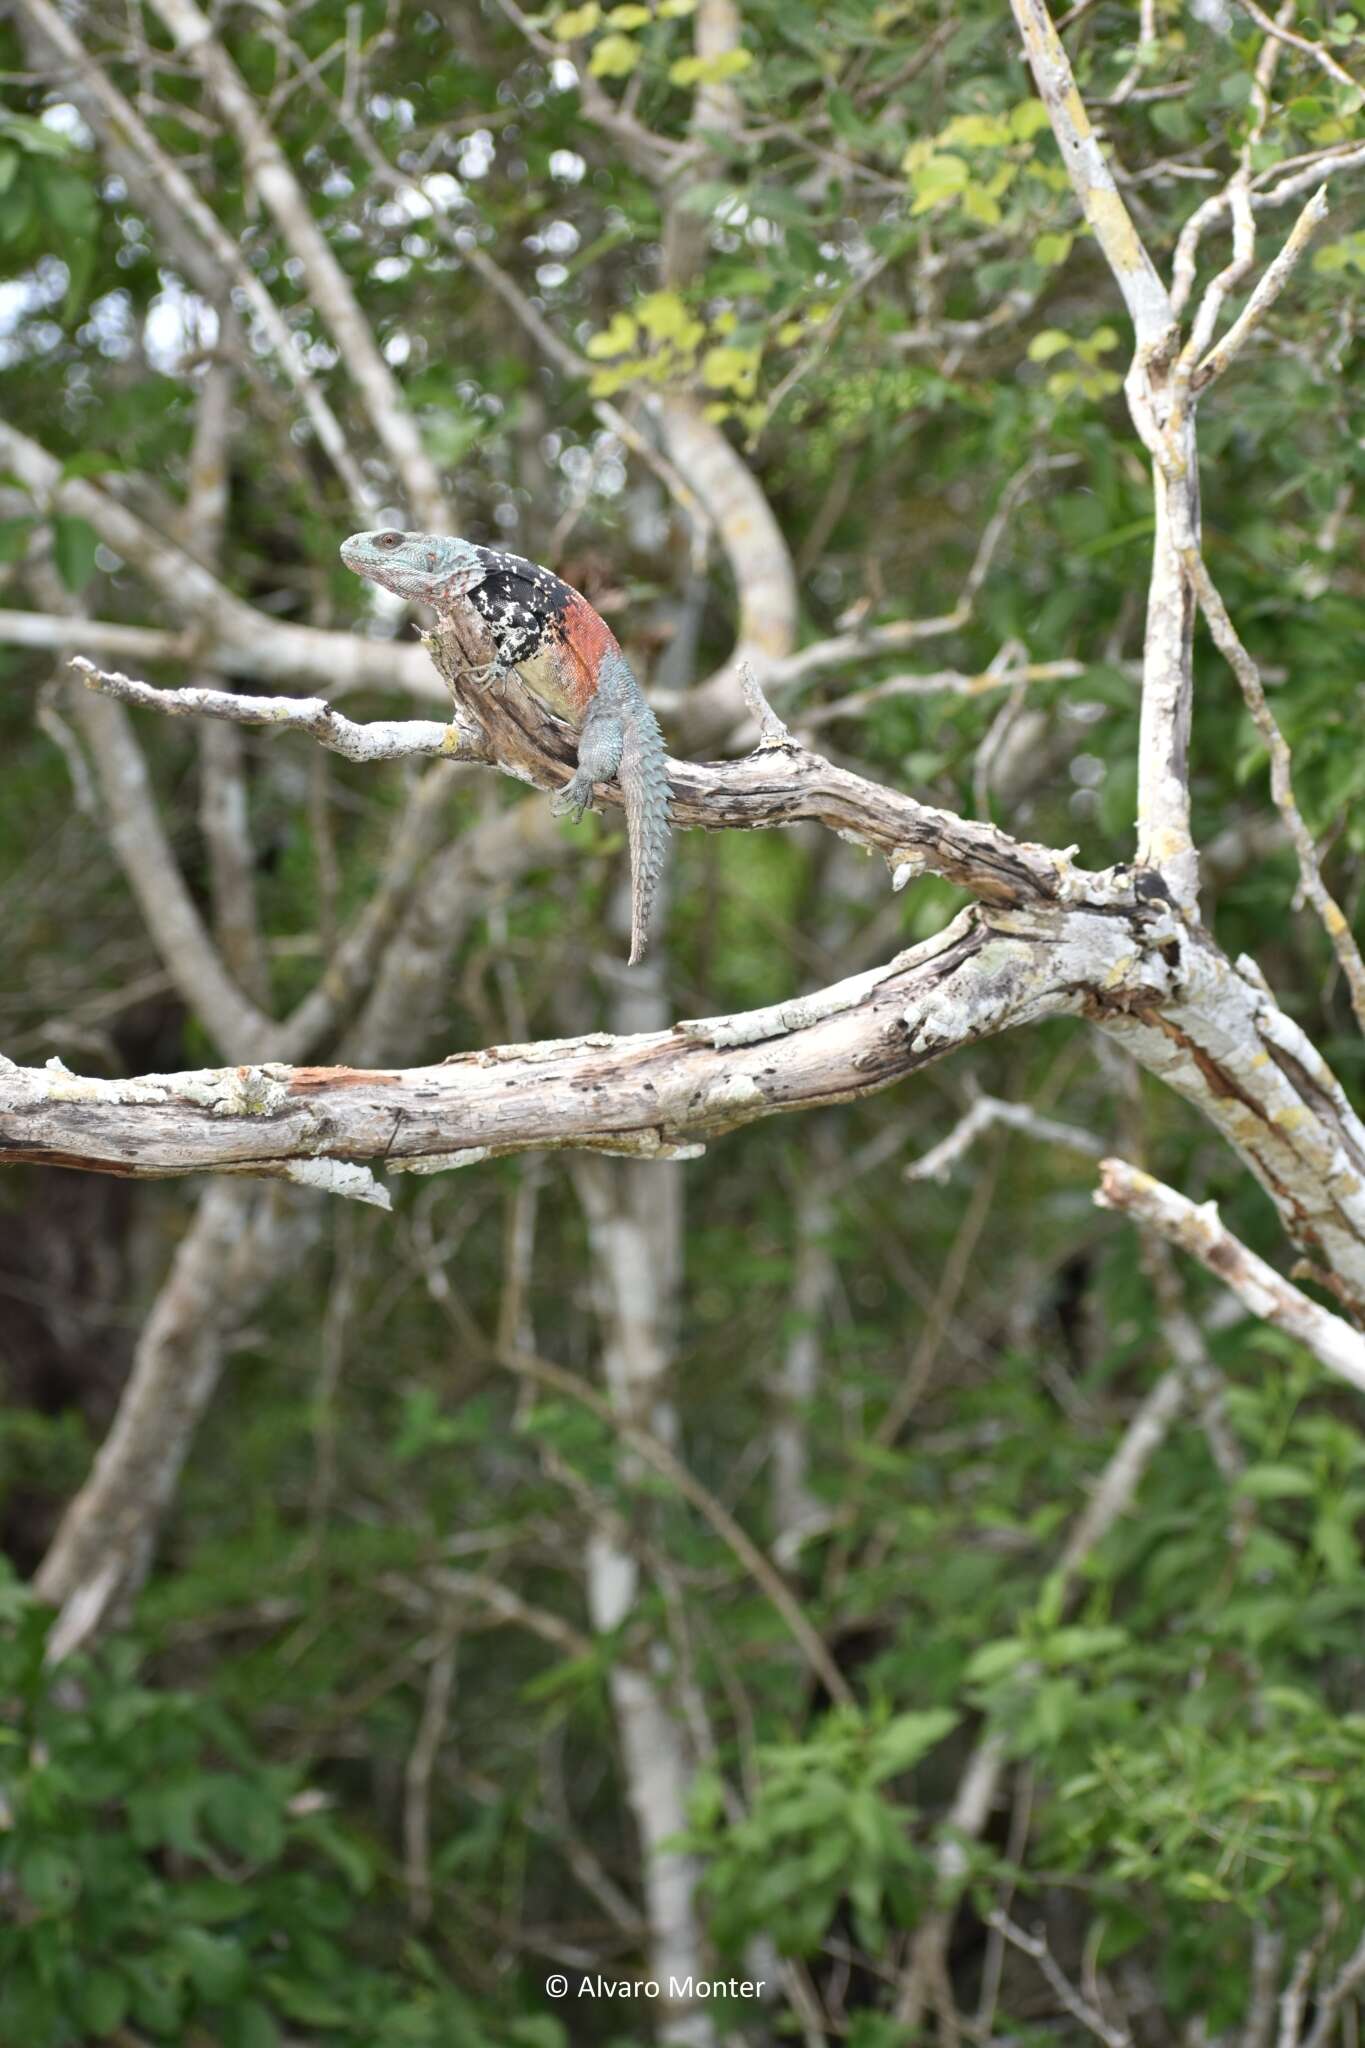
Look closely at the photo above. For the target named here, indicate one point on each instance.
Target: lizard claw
(486, 675)
(572, 800)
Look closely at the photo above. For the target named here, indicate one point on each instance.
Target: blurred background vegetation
(350, 1760)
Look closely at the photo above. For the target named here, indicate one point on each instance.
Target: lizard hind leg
(599, 757)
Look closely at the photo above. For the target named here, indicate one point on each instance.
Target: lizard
(564, 652)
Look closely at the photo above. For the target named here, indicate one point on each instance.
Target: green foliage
(1225, 1814)
(47, 202)
(822, 1827)
(162, 1875)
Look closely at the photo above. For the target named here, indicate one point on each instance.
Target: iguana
(566, 654)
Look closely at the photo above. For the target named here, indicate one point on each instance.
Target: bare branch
(359, 958)
(1348, 1978)
(646, 1095)
(1282, 34)
(236, 1247)
(1272, 283)
(1330, 914)
(386, 739)
(229, 634)
(120, 118)
(767, 788)
(1143, 292)
(1117, 1487)
(755, 547)
(1195, 1228)
(987, 1110)
(941, 682)
(223, 812)
(268, 170)
(238, 1026)
(1298, 174)
(1165, 841)
(1267, 1957)
(1080, 2008)
(421, 1764)
(654, 1452)
(771, 731)
(966, 1819)
(863, 642)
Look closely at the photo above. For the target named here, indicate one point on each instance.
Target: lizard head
(425, 566)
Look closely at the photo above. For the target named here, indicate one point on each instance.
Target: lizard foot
(486, 675)
(573, 799)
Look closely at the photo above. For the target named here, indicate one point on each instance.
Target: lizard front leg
(599, 756)
(486, 675)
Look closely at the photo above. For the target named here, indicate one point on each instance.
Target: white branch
(268, 169)
(228, 634)
(1272, 283)
(644, 1095)
(120, 119)
(770, 787)
(1143, 292)
(386, 739)
(1330, 914)
(1195, 1228)
(1321, 57)
(938, 1162)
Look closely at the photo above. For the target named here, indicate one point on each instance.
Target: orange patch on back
(586, 637)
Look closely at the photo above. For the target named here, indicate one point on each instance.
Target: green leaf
(73, 544)
(941, 175)
(34, 137)
(245, 1818)
(1050, 250)
(664, 317)
(614, 56)
(218, 1968)
(1027, 118)
(1276, 1482)
(978, 205)
(906, 1739)
(729, 369)
(350, 1858)
(248, 2026)
(1049, 343)
(710, 70)
(994, 1660)
(977, 131)
(578, 21)
(307, 2003)
(102, 2001)
(1076, 1645)
(628, 17)
(613, 340)
(14, 537)
(1334, 1540)
(49, 1880)
(69, 201)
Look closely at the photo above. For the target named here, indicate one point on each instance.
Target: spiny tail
(644, 785)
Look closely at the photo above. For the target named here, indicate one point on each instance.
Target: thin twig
(1273, 282)
(1330, 914)
(381, 739)
(1080, 2008)
(1196, 1228)
(938, 1163)
(1297, 42)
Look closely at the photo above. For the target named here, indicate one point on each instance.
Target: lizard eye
(389, 540)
